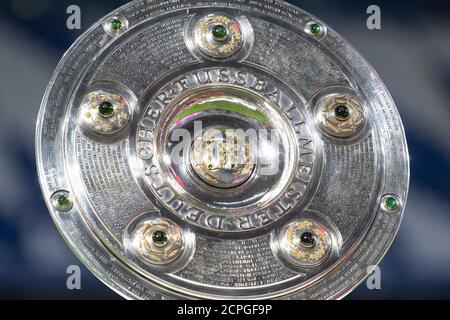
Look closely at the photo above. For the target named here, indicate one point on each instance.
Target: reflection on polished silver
(221, 150)
(158, 241)
(61, 201)
(105, 112)
(341, 116)
(306, 243)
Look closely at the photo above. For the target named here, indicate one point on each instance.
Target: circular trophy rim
(123, 279)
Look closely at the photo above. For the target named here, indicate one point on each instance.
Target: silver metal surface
(221, 150)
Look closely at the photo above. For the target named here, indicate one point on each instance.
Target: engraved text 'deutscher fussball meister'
(221, 150)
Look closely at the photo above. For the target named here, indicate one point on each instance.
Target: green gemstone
(106, 109)
(159, 237)
(307, 239)
(342, 112)
(116, 25)
(391, 203)
(315, 28)
(63, 201)
(219, 32)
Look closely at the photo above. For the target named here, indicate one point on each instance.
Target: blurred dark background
(411, 53)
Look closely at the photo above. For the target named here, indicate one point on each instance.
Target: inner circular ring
(257, 166)
(226, 148)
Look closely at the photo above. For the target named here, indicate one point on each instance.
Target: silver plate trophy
(221, 150)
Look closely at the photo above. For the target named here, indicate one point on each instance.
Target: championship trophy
(221, 150)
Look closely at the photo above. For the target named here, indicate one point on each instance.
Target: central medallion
(223, 158)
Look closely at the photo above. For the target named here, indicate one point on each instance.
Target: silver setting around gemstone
(219, 36)
(315, 29)
(62, 201)
(116, 25)
(93, 117)
(331, 119)
(164, 251)
(391, 203)
(305, 253)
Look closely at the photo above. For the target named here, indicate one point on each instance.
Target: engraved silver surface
(299, 210)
